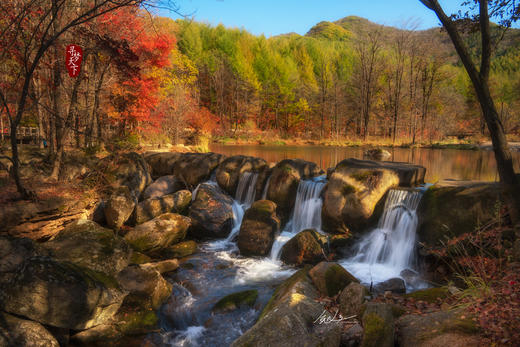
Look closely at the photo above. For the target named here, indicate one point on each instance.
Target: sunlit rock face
(356, 187)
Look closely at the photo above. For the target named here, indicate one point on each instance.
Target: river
(440, 164)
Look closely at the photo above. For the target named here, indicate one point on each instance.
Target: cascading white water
(266, 187)
(390, 248)
(306, 213)
(244, 198)
(246, 189)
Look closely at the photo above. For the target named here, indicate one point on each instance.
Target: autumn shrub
(482, 262)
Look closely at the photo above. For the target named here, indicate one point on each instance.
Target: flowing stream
(389, 249)
(218, 269)
(306, 213)
(215, 271)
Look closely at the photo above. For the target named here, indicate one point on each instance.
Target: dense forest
(180, 81)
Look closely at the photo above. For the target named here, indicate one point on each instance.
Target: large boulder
(162, 186)
(284, 180)
(352, 298)
(258, 230)
(147, 291)
(13, 254)
(90, 246)
(129, 170)
(307, 247)
(451, 208)
(62, 295)
(162, 163)
(229, 171)
(290, 318)
(149, 209)
(194, 168)
(159, 233)
(146, 287)
(119, 207)
(444, 328)
(211, 212)
(378, 325)
(356, 187)
(330, 278)
(410, 175)
(19, 332)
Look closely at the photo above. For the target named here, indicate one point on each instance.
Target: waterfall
(306, 213)
(246, 189)
(264, 193)
(390, 248)
(244, 198)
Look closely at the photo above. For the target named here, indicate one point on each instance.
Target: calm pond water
(439, 163)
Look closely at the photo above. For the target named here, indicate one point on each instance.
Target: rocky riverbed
(186, 249)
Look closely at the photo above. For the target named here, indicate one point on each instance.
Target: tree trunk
(480, 83)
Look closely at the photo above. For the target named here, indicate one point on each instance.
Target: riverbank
(268, 140)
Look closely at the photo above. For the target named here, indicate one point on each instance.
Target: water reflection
(439, 163)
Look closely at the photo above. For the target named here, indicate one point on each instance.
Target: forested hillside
(183, 81)
(348, 78)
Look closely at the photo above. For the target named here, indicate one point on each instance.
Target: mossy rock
(330, 278)
(137, 322)
(139, 258)
(454, 328)
(180, 250)
(352, 299)
(378, 326)
(452, 208)
(307, 247)
(62, 294)
(233, 301)
(159, 233)
(90, 246)
(429, 295)
(259, 227)
(285, 288)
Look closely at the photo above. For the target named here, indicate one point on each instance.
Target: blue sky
(274, 17)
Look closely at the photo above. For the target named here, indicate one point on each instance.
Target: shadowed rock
(88, 245)
(24, 333)
(307, 247)
(162, 186)
(229, 171)
(330, 278)
(283, 183)
(378, 325)
(258, 229)
(62, 295)
(211, 212)
(149, 209)
(445, 328)
(451, 208)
